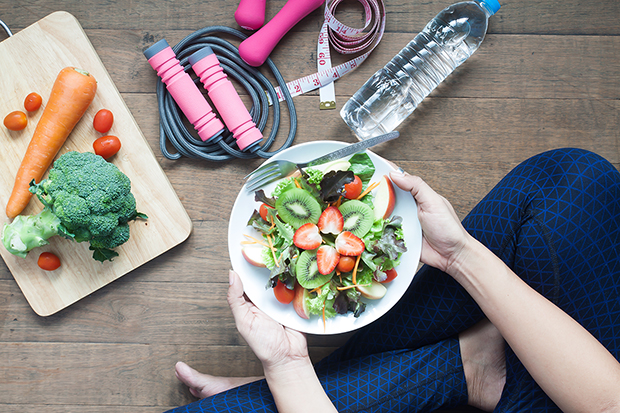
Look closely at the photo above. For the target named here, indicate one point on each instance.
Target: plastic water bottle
(393, 93)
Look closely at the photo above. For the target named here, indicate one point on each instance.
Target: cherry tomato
(346, 264)
(107, 146)
(354, 189)
(33, 102)
(283, 294)
(390, 274)
(263, 211)
(103, 121)
(48, 261)
(16, 120)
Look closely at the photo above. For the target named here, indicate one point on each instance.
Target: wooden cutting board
(30, 61)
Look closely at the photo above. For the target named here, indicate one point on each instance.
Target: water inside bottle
(394, 92)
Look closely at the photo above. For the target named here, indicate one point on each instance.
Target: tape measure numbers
(345, 40)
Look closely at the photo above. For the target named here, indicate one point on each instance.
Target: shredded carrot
(317, 290)
(348, 287)
(254, 241)
(273, 250)
(370, 188)
(354, 273)
(337, 205)
(297, 183)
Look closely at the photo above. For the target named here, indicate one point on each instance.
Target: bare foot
(484, 364)
(204, 385)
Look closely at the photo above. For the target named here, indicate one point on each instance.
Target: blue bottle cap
(493, 5)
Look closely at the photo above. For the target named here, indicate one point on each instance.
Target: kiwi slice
(297, 207)
(358, 217)
(307, 271)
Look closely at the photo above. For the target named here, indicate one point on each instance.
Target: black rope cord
(223, 147)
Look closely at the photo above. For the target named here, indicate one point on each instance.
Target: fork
(281, 169)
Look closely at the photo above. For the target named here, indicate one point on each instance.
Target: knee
(573, 167)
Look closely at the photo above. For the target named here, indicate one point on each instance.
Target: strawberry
(307, 237)
(331, 221)
(349, 244)
(327, 259)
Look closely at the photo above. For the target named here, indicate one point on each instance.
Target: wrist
(459, 262)
(289, 369)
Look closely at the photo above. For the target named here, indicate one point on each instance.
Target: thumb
(236, 300)
(410, 183)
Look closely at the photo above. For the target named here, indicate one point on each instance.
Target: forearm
(296, 388)
(569, 364)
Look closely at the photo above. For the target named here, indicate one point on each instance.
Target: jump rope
(213, 59)
(220, 145)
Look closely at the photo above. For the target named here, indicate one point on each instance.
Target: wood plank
(443, 130)
(113, 374)
(527, 16)
(136, 311)
(509, 66)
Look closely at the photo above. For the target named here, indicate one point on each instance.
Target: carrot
(72, 93)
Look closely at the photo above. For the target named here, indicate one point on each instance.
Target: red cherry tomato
(354, 189)
(33, 102)
(263, 211)
(283, 294)
(107, 146)
(103, 121)
(16, 120)
(346, 264)
(390, 274)
(48, 261)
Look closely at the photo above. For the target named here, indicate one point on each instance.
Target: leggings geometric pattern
(555, 221)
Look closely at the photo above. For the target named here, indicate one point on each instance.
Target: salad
(327, 238)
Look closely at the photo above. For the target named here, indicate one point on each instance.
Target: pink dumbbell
(225, 98)
(256, 48)
(183, 90)
(250, 14)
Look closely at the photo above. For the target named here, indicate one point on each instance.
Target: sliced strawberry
(349, 244)
(327, 259)
(331, 221)
(307, 237)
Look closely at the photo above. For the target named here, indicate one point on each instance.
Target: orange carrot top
(72, 93)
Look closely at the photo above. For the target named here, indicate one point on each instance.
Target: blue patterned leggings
(555, 220)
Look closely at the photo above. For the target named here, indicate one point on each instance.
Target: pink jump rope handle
(225, 97)
(183, 90)
(256, 48)
(250, 14)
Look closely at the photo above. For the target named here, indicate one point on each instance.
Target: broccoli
(85, 198)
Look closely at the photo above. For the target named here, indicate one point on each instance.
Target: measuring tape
(345, 40)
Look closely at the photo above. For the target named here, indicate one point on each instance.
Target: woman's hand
(283, 353)
(444, 236)
(273, 344)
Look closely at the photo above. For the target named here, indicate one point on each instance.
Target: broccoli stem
(29, 231)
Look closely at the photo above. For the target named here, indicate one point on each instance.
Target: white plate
(255, 279)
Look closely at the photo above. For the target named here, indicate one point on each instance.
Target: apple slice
(374, 291)
(384, 198)
(253, 253)
(300, 302)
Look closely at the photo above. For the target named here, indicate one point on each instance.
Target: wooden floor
(546, 76)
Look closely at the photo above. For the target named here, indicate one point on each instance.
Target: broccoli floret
(86, 198)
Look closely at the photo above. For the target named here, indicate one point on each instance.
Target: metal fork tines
(270, 172)
(274, 170)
